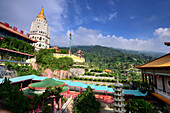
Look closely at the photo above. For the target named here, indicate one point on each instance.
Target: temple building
(9, 52)
(40, 31)
(157, 73)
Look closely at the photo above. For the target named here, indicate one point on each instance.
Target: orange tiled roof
(161, 62)
(167, 43)
(107, 70)
(15, 32)
(161, 98)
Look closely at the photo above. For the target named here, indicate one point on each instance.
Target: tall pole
(70, 41)
(70, 45)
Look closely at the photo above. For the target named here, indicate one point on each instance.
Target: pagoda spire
(41, 14)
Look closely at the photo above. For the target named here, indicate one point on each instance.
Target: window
(169, 83)
(40, 38)
(32, 36)
(38, 26)
(40, 45)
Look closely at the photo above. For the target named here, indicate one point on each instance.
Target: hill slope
(109, 58)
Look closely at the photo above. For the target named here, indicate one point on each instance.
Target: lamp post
(70, 43)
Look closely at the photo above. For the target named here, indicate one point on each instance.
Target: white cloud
(84, 36)
(88, 7)
(132, 17)
(152, 18)
(113, 15)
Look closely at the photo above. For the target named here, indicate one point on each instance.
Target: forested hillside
(109, 58)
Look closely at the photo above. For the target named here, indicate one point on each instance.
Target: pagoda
(118, 98)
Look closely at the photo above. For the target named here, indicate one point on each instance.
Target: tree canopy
(12, 99)
(86, 102)
(140, 106)
(46, 59)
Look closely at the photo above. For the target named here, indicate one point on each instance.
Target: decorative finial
(70, 35)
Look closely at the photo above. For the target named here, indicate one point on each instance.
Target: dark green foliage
(64, 51)
(12, 99)
(17, 45)
(22, 70)
(89, 73)
(109, 58)
(140, 106)
(97, 70)
(86, 102)
(46, 59)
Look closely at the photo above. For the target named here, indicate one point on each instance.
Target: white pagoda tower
(118, 98)
(40, 31)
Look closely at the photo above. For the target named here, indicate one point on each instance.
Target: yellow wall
(74, 57)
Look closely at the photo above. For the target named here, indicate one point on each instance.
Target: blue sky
(127, 24)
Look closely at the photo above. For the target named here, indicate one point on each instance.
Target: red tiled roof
(16, 52)
(15, 32)
(167, 43)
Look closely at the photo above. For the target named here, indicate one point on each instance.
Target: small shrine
(79, 53)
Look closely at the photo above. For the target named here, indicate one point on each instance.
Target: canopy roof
(45, 83)
(161, 62)
(134, 92)
(29, 92)
(55, 82)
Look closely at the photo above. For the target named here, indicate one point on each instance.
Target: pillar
(163, 83)
(21, 85)
(145, 78)
(80, 90)
(31, 81)
(37, 110)
(155, 81)
(53, 105)
(142, 78)
(59, 104)
(149, 78)
(106, 93)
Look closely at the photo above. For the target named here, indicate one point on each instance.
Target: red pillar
(21, 85)
(80, 90)
(37, 110)
(31, 81)
(106, 93)
(59, 104)
(53, 105)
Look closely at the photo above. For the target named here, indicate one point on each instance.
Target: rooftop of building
(161, 62)
(13, 30)
(74, 84)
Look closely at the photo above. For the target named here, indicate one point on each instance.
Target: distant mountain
(110, 58)
(147, 53)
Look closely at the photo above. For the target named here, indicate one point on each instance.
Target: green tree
(12, 99)
(140, 106)
(86, 102)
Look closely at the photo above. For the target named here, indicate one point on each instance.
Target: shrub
(104, 84)
(105, 80)
(126, 87)
(111, 86)
(91, 79)
(82, 78)
(97, 84)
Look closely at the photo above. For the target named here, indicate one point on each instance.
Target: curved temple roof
(72, 84)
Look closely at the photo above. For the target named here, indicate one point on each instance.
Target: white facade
(40, 31)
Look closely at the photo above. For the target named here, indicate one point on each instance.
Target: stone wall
(77, 71)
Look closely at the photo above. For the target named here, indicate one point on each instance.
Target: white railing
(164, 94)
(65, 105)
